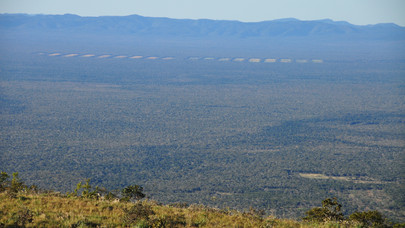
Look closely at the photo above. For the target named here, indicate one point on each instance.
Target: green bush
(137, 212)
(132, 192)
(16, 184)
(368, 218)
(330, 211)
(84, 190)
(85, 223)
(22, 217)
(169, 221)
(3, 181)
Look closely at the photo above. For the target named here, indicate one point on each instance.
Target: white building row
(222, 59)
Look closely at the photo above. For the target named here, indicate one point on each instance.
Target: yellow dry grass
(56, 210)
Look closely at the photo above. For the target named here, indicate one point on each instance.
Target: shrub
(330, 211)
(368, 218)
(110, 196)
(22, 217)
(132, 192)
(257, 213)
(3, 181)
(16, 184)
(179, 205)
(137, 212)
(169, 221)
(85, 223)
(200, 220)
(85, 191)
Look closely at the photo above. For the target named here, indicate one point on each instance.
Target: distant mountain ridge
(167, 27)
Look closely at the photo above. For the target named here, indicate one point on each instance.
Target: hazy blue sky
(354, 11)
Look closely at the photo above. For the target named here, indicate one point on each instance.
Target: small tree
(16, 184)
(3, 181)
(132, 192)
(86, 191)
(330, 211)
(110, 196)
(105, 194)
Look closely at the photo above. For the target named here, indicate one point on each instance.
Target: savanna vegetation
(277, 137)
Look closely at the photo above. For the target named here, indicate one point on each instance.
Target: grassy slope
(53, 210)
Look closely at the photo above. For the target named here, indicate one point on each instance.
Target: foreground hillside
(52, 210)
(25, 206)
(55, 210)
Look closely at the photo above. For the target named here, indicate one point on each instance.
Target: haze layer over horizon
(361, 12)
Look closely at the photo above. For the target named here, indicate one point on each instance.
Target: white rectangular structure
(239, 59)
(70, 55)
(317, 61)
(254, 60)
(270, 60)
(87, 56)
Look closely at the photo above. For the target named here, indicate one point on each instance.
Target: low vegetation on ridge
(86, 206)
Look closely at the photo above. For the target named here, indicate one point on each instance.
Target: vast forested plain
(274, 136)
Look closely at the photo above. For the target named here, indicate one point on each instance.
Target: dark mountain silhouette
(166, 27)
